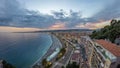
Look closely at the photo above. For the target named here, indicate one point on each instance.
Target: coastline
(50, 50)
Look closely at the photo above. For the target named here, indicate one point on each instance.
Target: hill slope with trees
(110, 32)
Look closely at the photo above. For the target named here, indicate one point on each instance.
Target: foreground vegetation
(61, 54)
(46, 64)
(7, 65)
(72, 65)
(110, 32)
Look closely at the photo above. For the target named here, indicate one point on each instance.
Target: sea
(23, 49)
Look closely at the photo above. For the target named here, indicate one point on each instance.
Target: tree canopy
(110, 32)
(7, 65)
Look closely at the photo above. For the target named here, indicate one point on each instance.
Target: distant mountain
(62, 30)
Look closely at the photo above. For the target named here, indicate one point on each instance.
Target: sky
(58, 14)
(87, 7)
(46, 6)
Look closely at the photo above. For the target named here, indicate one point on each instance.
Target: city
(59, 33)
(83, 52)
(76, 49)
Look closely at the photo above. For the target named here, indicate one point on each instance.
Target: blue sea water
(23, 49)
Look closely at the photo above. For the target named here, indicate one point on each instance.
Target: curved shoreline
(50, 50)
(40, 59)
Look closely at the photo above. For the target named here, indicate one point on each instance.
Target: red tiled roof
(113, 48)
(75, 56)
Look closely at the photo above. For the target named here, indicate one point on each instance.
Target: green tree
(108, 32)
(7, 65)
(72, 65)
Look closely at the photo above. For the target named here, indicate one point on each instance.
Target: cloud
(59, 14)
(109, 11)
(20, 17)
(58, 25)
(96, 25)
(103, 17)
(11, 7)
(70, 18)
(16, 29)
(13, 14)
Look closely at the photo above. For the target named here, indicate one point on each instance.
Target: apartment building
(101, 53)
(108, 54)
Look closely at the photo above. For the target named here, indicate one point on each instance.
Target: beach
(55, 44)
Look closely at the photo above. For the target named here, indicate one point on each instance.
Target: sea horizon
(23, 49)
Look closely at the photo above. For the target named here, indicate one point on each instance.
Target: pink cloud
(96, 25)
(16, 29)
(58, 25)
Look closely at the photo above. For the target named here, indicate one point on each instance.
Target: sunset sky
(56, 14)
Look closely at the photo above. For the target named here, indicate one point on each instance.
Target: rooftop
(113, 48)
(75, 56)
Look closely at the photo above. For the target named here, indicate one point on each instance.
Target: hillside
(109, 32)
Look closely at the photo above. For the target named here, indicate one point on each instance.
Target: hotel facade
(101, 53)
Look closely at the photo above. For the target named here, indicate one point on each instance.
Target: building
(101, 53)
(117, 41)
(75, 57)
(88, 44)
(106, 54)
